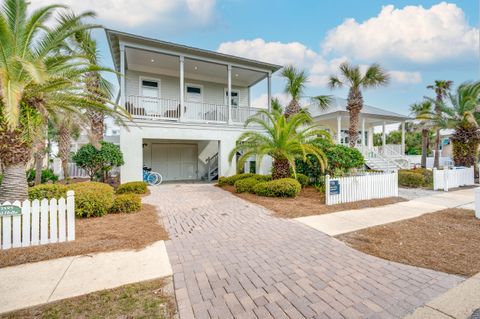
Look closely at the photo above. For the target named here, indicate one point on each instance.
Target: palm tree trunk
(424, 147)
(96, 127)
(436, 156)
(281, 169)
(354, 107)
(14, 185)
(64, 148)
(39, 158)
(292, 108)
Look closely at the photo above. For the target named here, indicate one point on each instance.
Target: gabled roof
(339, 105)
(114, 38)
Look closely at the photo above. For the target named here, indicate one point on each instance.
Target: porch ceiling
(153, 62)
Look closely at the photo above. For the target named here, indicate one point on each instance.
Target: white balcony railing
(153, 108)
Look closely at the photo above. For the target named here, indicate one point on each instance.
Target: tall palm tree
(96, 85)
(356, 80)
(296, 79)
(285, 141)
(441, 88)
(36, 80)
(463, 115)
(424, 112)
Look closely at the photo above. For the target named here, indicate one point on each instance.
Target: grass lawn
(308, 202)
(96, 234)
(140, 300)
(446, 241)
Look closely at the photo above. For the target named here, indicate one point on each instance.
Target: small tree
(96, 161)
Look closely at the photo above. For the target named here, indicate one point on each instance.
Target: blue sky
(418, 41)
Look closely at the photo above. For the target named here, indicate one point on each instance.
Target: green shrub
(133, 187)
(92, 198)
(262, 178)
(410, 179)
(48, 191)
(47, 176)
(303, 179)
(126, 203)
(97, 162)
(246, 185)
(285, 187)
(230, 180)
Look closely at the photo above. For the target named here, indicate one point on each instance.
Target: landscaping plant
(47, 191)
(284, 187)
(133, 187)
(284, 141)
(246, 185)
(47, 176)
(356, 80)
(126, 203)
(98, 161)
(92, 199)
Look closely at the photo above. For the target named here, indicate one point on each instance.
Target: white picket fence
(40, 222)
(361, 187)
(453, 177)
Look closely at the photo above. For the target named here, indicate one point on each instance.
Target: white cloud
(136, 13)
(261, 101)
(403, 77)
(413, 33)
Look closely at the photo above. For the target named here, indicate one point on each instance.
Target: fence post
(435, 179)
(70, 215)
(327, 189)
(477, 203)
(445, 179)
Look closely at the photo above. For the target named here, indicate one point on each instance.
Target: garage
(175, 162)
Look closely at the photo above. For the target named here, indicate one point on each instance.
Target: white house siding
(170, 87)
(132, 138)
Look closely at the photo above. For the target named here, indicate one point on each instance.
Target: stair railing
(212, 166)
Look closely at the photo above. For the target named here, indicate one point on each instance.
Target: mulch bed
(97, 234)
(447, 240)
(147, 299)
(308, 202)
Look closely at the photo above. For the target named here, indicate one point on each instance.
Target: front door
(175, 162)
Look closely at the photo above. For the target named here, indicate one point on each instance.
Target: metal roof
(339, 105)
(114, 37)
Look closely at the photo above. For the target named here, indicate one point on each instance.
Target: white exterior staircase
(384, 158)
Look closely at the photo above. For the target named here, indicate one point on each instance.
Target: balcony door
(150, 94)
(194, 101)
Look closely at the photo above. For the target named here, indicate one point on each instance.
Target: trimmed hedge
(423, 178)
(410, 179)
(132, 187)
(92, 199)
(284, 187)
(47, 191)
(303, 179)
(246, 185)
(126, 203)
(230, 180)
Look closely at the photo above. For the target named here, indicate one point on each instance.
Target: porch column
(269, 93)
(229, 88)
(122, 75)
(384, 137)
(363, 132)
(182, 86)
(403, 138)
(339, 129)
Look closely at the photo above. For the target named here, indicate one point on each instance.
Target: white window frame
(193, 85)
(146, 78)
(225, 97)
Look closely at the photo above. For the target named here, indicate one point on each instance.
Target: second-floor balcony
(153, 108)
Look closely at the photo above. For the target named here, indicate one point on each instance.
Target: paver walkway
(231, 259)
(351, 220)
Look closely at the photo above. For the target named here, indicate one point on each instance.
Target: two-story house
(188, 106)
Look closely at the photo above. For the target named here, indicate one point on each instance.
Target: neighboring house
(188, 106)
(336, 120)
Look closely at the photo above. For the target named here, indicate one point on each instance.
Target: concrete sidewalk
(351, 220)
(32, 284)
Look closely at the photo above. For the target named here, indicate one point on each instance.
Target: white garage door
(175, 162)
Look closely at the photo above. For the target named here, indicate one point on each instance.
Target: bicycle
(151, 178)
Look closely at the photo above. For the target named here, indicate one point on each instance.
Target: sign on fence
(454, 177)
(37, 222)
(361, 187)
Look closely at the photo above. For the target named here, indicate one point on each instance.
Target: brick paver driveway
(231, 259)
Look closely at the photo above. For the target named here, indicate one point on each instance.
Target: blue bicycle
(151, 178)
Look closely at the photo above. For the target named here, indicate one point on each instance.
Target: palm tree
(295, 87)
(441, 88)
(463, 115)
(36, 81)
(356, 80)
(284, 141)
(425, 114)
